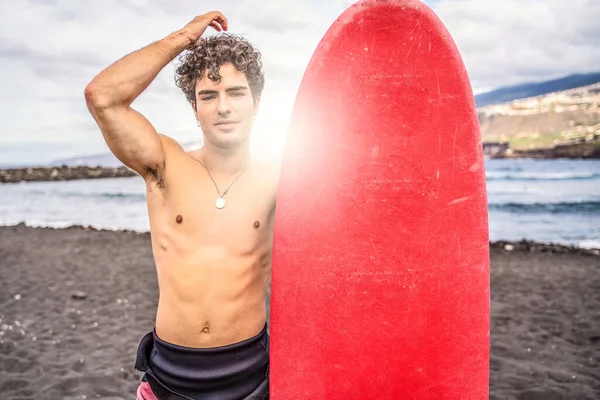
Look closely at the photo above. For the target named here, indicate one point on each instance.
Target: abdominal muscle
(211, 297)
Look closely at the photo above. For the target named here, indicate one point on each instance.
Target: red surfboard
(380, 283)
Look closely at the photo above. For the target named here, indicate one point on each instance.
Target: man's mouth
(226, 123)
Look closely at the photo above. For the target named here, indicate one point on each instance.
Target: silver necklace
(221, 203)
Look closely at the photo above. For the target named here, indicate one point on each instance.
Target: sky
(51, 49)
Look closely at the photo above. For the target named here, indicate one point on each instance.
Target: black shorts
(232, 372)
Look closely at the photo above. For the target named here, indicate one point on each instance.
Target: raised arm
(128, 134)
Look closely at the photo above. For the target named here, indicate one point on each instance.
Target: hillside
(510, 93)
(558, 124)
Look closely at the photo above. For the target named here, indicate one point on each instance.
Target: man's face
(226, 109)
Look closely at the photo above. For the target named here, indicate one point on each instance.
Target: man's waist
(230, 371)
(205, 326)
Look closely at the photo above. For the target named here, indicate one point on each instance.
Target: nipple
(179, 219)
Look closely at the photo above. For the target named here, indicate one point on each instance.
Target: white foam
(135, 226)
(541, 175)
(590, 244)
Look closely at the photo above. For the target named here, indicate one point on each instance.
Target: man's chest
(189, 214)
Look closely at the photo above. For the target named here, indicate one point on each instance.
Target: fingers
(219, 20)
(214, 19)
(215, 26)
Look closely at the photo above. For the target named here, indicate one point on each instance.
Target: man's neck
(225, 161)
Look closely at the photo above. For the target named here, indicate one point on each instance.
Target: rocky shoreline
(62, 173)
(527, 246)
(574, 151)
(577, 150)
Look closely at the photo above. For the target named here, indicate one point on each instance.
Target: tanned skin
(213, 265)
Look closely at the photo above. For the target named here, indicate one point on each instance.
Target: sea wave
(575, 207)
(540, 176)
(135, 197)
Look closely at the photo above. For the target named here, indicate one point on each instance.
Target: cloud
(50, 50)
(509, 42)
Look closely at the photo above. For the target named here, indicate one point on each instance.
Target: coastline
(492, 151)
(523, 245)
(62, 173)
(579, 150)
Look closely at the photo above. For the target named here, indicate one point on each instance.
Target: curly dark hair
(214, 52)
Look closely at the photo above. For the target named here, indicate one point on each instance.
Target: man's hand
(196, 28)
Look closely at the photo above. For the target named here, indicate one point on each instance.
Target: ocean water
(552, 201)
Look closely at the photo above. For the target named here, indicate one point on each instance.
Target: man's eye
(237, 94)
(207, 98)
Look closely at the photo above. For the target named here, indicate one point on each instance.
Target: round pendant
(220, 203)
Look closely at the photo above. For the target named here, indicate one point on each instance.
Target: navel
(179, 219)
(256, 224)
(206, 327)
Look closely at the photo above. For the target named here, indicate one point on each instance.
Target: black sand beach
(74, 303)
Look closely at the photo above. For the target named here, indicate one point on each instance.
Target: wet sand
(75, 302)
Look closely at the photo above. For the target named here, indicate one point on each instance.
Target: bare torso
(213, 265)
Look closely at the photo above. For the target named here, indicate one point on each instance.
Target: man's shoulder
(269, 168)
(175, 150)
(268, 163)
(169, 143)
(177, 155)
(267, 172)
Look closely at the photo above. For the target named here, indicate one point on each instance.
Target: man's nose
(223, 106)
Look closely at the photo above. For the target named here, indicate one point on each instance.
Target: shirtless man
(211, 213)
